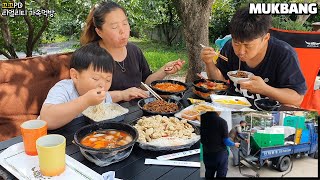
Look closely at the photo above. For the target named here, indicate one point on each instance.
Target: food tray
(108, 108)
(188, 143)
(215, 98)
(22, 166)
(197, 122)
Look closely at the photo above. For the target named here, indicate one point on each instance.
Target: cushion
(24, 85)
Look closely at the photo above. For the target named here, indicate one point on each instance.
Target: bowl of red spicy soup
(106, 142)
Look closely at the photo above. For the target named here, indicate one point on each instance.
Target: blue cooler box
(305, 137)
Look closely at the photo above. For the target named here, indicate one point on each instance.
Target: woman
(108, 26)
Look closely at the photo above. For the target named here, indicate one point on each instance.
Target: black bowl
(142, 102)
(162, 92)
(105, 156)
(266, 104)
(206, 90)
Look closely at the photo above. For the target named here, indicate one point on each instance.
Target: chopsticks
(218, 54)
(152, 92)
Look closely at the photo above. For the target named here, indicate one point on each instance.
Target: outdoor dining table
(132, 167)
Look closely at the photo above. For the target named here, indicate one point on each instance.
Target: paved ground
(49, 49)
(303, 167)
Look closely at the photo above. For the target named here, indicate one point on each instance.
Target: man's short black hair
(92, 55)
(247, 27)
(242, 122)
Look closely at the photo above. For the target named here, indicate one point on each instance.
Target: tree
(14, 30)
(303, 18)
(146, 15)
(194, 15)
(8, 49)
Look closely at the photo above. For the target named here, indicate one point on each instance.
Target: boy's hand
(95, 96)
(207, 54)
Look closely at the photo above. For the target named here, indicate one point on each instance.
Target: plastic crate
(305, 137)
(267, 140)
(295, 121)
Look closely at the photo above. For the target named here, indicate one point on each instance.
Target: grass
(58, 38)
(158, 54)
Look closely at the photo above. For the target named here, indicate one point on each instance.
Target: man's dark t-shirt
(213, 130)
(136, 70)
(280, 68)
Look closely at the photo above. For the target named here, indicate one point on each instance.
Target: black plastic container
(161, 92)
(142, 102)
(206, 90)
(266, 104)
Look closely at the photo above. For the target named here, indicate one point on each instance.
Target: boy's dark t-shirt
(136, 69)
(213, 130)
(280, 68)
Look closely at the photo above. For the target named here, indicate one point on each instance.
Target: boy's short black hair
(247, 27)
(242, 122)
(92, 54)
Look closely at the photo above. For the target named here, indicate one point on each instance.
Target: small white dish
(236, 79)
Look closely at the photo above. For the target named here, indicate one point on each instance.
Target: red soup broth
(106, 139)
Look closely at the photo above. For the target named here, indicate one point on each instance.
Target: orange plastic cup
(31, 130)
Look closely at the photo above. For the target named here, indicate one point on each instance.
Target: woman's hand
(95, 96)
(133, 93)
(173, 66)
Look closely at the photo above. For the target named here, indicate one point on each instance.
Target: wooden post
(316, 26)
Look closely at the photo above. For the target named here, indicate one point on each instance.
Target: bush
(284, 22)
(222, 12)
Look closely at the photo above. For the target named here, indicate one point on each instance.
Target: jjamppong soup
(110, 138)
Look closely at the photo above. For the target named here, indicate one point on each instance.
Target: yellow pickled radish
(195, 101)
(214, 59)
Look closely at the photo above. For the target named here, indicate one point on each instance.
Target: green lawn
(158, 54)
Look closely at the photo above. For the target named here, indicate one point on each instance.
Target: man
(235, 136)
(214, 139)
(273, 62)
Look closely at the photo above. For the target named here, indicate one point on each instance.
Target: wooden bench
(24, 85)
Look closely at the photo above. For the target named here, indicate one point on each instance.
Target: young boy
(91, 74)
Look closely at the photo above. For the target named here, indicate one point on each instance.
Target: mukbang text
(283, 8)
